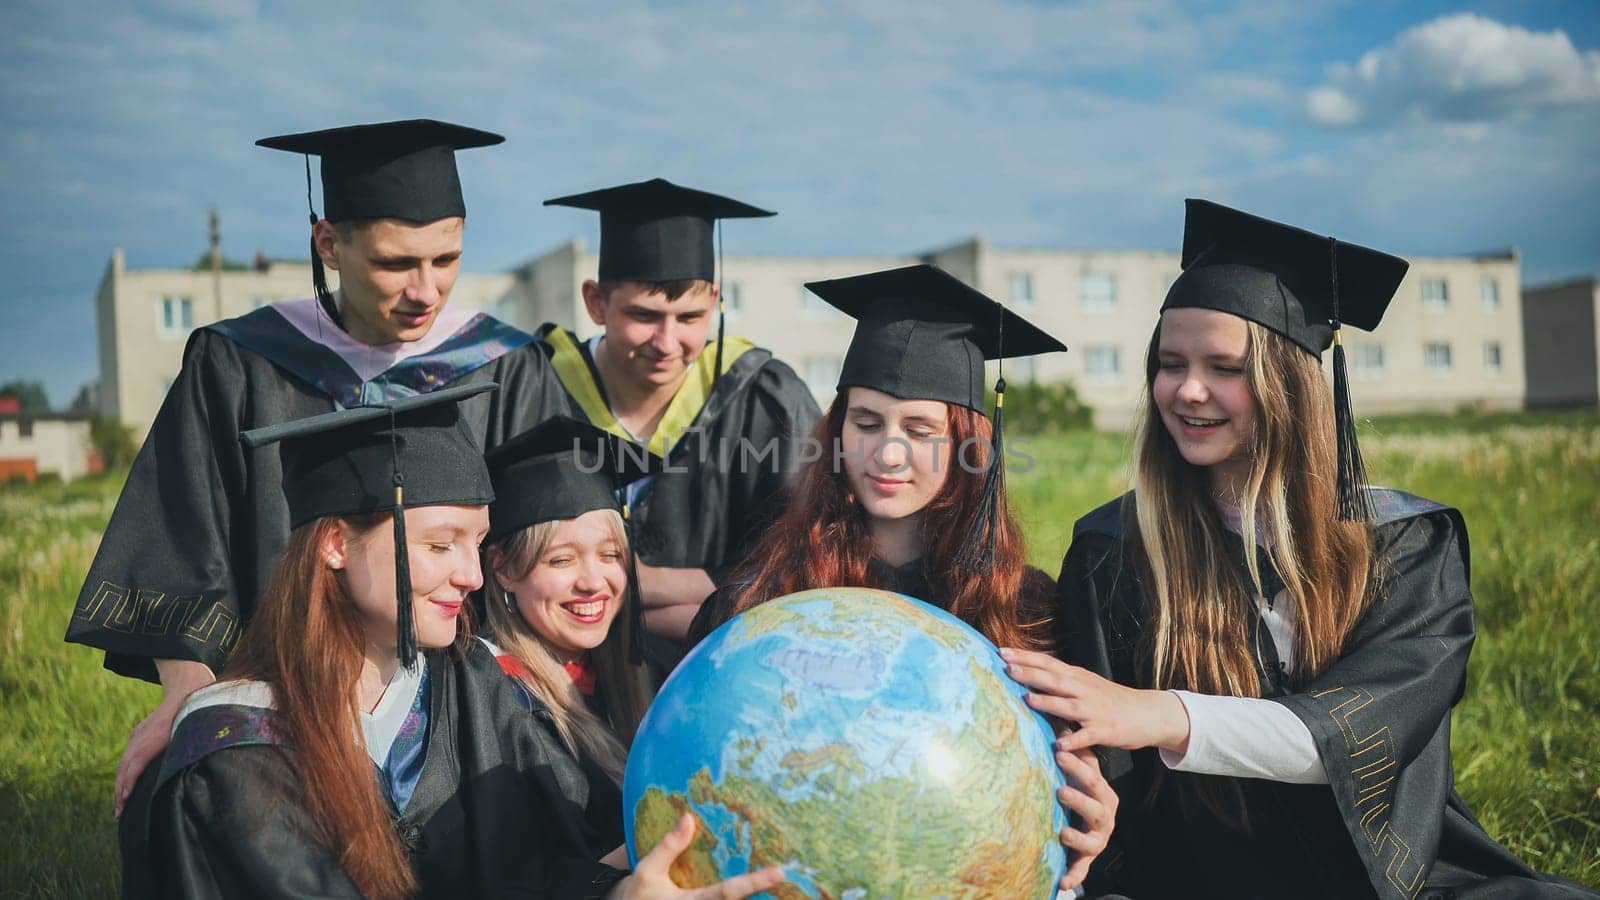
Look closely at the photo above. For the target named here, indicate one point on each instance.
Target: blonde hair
(625, 687)
(1196, 601)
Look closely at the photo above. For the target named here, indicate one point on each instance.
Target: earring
(511, 600)
(334, 561)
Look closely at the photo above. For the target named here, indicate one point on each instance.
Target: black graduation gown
(1389, 822)
(202, 520)
(715, 496)
(909, 579)
(500, 808)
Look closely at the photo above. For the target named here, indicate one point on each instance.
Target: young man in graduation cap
(201, 519)
(724, 415)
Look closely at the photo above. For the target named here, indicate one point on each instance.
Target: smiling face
(575, 588)
(394, 276)
(650, 339)
(1202, 390)
(442, 545)
(896, 453)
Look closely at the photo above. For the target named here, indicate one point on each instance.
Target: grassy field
(1526, 741)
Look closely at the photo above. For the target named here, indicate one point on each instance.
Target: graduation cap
(387, 170)
(656, 231)
(561, 469)
(412, 452)
(923, 334)
(1301, 285)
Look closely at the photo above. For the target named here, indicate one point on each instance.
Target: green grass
(1526, 740)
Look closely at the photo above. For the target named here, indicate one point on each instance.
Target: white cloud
(1458, 68)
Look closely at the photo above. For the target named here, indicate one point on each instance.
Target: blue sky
(1419, 127)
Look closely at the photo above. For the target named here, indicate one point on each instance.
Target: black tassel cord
(404, 620)
(1354, 505)
(977, 548)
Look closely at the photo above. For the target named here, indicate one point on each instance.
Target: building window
(730, 296)
(1367, 360)
(1019, 371)
(1098, 292)
(1491, 356)
(1436, 357)
(1435, 293)
(176, 316)
(1101, 365)
(1489, 294)
(25, 428)
(1021, 290)
(822, 374)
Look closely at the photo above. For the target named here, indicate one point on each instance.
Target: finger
(1073, 766)
(1060, 707)
(1082, 842)
(1030, 658)
(1053, 681)
(1089, 777)
(1090, 759)
(742, 886)
(673, 843)
(1085, 737)
(1090, 811)
(1076, 873)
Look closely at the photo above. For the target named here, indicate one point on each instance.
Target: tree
(113, 441)
(30, 393)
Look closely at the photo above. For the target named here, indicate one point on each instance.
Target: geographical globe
(869, 743)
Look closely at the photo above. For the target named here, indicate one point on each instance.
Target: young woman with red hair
(360, 742)
(907, 493)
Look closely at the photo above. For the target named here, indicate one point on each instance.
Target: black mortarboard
(1301, 285)
(561, 469)
(923, 334)
(387, 170)
(657, 231)
(384, 458)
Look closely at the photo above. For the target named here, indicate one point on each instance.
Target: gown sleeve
(162, 584)
(228, 826)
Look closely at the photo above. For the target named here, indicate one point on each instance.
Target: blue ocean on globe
(867, 742)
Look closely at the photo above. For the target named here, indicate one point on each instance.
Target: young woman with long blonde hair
(1277, 643)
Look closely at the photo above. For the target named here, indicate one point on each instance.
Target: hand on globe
(651, 879)
(1096, 805)
(1106, 713)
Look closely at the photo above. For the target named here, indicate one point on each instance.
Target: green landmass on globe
(866, 742)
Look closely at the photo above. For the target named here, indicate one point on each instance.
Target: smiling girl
(913, 504)
(1278, 644)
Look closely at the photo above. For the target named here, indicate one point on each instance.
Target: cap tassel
(1353, 501)
(977, 548)
(405, 626)
(722, 310)
(404, 620)
(319, 277)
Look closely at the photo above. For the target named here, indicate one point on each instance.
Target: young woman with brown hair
(361, 743)
(906, 494)
(1277, 643)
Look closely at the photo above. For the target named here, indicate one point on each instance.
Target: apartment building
(1560, 337)
(1453, 337)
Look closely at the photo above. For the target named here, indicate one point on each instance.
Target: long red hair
(306, 641)
(821, 540)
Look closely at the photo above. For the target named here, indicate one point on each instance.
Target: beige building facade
(34, 444)
(1452, 338)
(1561, 341)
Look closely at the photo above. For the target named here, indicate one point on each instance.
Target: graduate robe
(729, 450)
(202, 520)
(498, 809)
(1388, 823)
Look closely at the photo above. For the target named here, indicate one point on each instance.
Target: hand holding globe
(868, 743)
